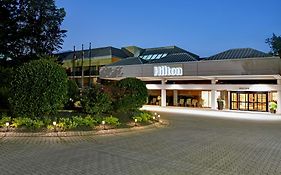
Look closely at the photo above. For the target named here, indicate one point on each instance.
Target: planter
(273, 111)
(220, 105)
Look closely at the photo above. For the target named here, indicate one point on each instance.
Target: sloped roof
(176, 57)
(239, 53)
(96, 52)
(167, 50)
(128, 61)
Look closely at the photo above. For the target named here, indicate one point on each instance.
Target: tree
(30, 29)
(131, 95)
(275, 44)
(38, 88)
(96, 101)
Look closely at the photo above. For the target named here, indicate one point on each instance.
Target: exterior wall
(258, 66)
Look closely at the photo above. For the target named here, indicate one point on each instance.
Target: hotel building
(245, 79)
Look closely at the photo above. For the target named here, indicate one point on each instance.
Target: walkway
(191, 144)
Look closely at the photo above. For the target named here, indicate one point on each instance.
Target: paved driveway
(190, 145)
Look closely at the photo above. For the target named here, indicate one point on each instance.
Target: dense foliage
(275, 44)
(131, 95)
(5, 78)
(30, 29)
(96, 101)
(38, 88)
(72, 94)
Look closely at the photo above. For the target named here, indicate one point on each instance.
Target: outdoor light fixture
(103, 123)
(7, 125)
(55, 126)
(155, 113)
(136, 120)
(158, 117)
(153, 117)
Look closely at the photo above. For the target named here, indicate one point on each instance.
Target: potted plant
(220, 103)
(272, 107)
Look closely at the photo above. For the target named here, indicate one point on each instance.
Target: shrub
(75, 122)
(113, 121)
(131, 95)
(5, 78)
(89, 121)
(28, 123)
(95, 101)
(72, 94)
(4, 119)
(39, 87)
(143, 116)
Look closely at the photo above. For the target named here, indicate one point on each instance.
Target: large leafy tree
(275, 44)
(30, 29)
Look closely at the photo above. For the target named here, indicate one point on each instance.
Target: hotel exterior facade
(244, 79)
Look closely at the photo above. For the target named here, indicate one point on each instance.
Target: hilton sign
(168, 71)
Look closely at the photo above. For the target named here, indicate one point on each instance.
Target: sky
(204, 27)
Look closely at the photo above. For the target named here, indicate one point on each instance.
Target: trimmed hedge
(96, 101)
(132, 94)
(38, 88)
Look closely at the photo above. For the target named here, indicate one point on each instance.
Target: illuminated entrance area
(182, 98)
(249, 101)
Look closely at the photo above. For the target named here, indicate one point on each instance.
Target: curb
(83, 133)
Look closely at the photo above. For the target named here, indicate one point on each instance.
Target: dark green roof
(128, 61)
(238, 54)
(176, 57)
(97, 52)
(168, 50)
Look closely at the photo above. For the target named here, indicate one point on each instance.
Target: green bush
(143, 116)
(131, 95)
(113, 121)
(5, 78)
(72, 94)
(76, 122)
(95, 101)
(39, 87)
(28, 123)
(4, 118)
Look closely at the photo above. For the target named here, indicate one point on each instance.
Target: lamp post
(158, 116)
(136, 120)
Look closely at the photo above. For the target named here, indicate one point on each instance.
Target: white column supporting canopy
(163, 93)
(278, 111)
(213, 95)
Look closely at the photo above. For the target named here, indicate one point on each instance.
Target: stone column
(278, 111)
(175, 97)
(163, 93)
(213, 95)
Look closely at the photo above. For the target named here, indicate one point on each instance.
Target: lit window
(144, 57)
(159, 56)
(149, 57)
(165, 54)
(154, 56)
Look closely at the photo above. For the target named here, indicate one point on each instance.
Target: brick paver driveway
(189, 145)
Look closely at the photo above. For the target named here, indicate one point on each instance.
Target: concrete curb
(84, 133)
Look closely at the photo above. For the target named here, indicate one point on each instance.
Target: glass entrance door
(249, 101)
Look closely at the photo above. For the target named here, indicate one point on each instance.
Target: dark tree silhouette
(274, 44)
(30, 29)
